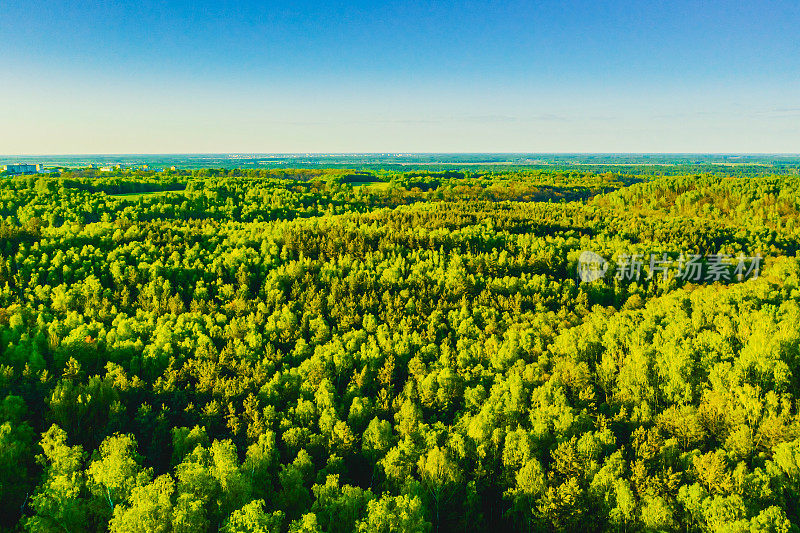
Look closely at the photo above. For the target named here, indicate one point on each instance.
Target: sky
(95, 77)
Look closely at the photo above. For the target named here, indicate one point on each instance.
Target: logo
(591, 266)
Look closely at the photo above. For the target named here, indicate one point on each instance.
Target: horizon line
(390, 153)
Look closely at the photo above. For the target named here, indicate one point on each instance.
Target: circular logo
(591, 266)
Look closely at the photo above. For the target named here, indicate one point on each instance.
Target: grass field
(375, 185)
(137, 195)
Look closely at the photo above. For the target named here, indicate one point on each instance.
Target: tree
(394, 514)
(305, 524)
(529, 484)
(184, 440)
(439, 475)
(16, 451)
(253, 519)
(58, 502)
(338, 507)
(213, 476)
(113, 476)
(148, 510)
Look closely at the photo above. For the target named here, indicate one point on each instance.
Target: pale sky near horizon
(269, 77)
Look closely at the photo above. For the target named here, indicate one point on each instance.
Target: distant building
(23, 168)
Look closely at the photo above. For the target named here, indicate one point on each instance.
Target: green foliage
(394, 514)
(253, 519)
(16, 453)
(149, 508)
(330, 350)
(58, 503)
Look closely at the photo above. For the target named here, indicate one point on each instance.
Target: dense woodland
(311, 350)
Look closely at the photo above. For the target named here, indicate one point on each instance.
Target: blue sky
(159, 77)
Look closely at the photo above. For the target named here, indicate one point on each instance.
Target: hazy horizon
(395, 153)
(769, 163)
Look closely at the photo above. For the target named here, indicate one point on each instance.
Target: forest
(311, 350)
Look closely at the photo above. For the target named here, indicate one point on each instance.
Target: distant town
(17, 169)
(23, 169)
(675, 164)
